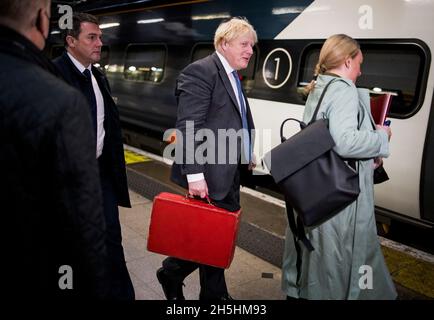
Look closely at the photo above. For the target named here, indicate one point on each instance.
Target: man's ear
(224, 44)
(42, 23)
(70, 41)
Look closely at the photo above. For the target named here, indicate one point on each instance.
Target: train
(148, 43)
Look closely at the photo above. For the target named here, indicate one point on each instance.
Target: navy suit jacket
(113, 154)
(205, 95)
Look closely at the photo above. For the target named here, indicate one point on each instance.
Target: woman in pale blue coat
(347, 262)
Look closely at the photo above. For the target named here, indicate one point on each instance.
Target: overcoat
(347, 262)
(53, 225)
(113, 152)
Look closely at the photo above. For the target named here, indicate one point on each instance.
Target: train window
(201, 50)
(145, 62)
(309, 61)
(387, 67)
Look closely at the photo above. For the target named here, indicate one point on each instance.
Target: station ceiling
(106, 3)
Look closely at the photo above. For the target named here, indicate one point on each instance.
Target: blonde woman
(347, 262)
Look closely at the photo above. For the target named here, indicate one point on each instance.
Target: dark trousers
(212, 279)
(121, 287)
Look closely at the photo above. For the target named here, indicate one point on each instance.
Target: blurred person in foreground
(49, 186)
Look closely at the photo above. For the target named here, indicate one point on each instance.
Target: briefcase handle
(206, 199)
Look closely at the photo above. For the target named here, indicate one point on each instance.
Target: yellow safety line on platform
(414, 274)
(132, 157)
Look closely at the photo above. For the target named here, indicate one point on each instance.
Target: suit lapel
(101, 80)
(226, 82)
(79, 78)
(96, 73)
(104, 91)
(72, 67)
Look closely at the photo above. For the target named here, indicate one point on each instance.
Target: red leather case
(193, 230)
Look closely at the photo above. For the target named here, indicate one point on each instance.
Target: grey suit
(205, 96)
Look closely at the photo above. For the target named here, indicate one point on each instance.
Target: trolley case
(193, 230)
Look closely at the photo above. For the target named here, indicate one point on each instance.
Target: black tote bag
(315, 180)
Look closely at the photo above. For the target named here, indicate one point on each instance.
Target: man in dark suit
(210, 98)
(55, 247)
(83, 45)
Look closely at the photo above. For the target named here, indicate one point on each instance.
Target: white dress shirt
(100, 133)
(199, 176)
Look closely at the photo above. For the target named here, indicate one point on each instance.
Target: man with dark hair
(49, 186)
(78, 18)
(83, 48)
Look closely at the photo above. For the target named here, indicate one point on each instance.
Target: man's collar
(78, 64)
(225, 63)
(7, 33)
(17, 45)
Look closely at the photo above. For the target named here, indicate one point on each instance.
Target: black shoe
(292, 298)
(172, 289)
(224, 297)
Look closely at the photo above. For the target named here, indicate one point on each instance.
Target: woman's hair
(232, 29)
(334, 52)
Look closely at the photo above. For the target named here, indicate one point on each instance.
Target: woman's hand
(378, 162)
(385, 128)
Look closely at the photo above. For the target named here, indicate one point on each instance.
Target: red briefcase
(193, 230)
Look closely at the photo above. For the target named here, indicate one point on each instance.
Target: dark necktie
(91, 99)
(246, 137)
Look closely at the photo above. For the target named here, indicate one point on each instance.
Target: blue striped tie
(246, 137)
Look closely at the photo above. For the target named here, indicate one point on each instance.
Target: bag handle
(206, 199)
(302, 124)
(320, 100)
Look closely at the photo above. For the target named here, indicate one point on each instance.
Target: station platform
(255, 273)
